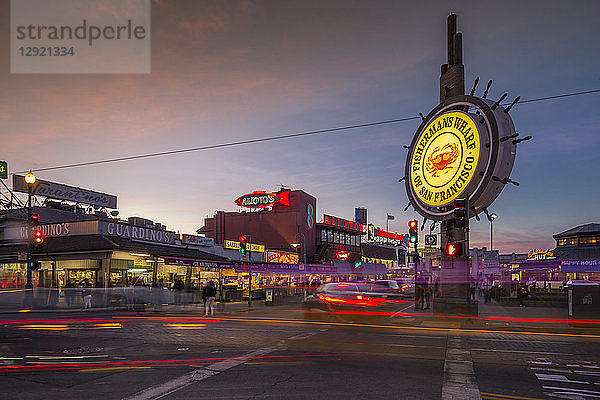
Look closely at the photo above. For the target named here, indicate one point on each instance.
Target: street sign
(430, 240)
(255, 248)
(3, 170)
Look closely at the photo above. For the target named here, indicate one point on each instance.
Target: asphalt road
(284, 355)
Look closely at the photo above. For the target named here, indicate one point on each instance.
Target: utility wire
(229, 144)
(273, 138)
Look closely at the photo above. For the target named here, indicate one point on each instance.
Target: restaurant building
(284, 222)
(576, 256)
(105, 251)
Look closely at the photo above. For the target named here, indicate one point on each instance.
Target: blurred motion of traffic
(279, 298)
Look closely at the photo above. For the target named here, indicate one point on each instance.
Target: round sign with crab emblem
(457, 153)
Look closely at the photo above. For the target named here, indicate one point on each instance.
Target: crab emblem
(441, 159)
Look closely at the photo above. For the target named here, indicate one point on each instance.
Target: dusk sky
(236, 70)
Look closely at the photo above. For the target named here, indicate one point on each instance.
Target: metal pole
(29, 284)
(249, 272)
(491, 235)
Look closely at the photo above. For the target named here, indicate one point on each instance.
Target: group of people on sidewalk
(85, 289)
(425, 290)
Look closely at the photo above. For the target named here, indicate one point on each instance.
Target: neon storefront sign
(261, 199)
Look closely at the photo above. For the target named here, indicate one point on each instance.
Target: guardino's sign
(259, 199)
(65, 192)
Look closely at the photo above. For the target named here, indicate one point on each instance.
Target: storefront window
(330, 236)
(567, 242)
(589, 240)
(323, 235)
(336, 237)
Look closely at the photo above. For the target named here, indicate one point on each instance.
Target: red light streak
(492, 318)
(159, 363)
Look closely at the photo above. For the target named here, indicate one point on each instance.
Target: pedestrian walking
(522, 294)
(419, 291)
(211, 294)
(69, 289)
(178, 287)
(427, 295)
(203, 293)
(157, 293)
(86, 294)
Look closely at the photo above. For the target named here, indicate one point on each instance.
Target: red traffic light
(35, 217)
(412, 224)
(38, 236)
(453, 249)
(242, 239)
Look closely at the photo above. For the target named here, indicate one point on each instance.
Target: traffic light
(453, 249)
(38, 238)
(35, 219)
(413, 235)
(461, 213)
(243, 244)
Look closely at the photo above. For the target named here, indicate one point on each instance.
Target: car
(407, 286)
(388, 287)
(344, 295)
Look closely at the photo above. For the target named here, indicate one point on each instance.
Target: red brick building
(286, 217)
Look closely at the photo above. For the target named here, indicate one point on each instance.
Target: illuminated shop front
(106, 252)
(285, 223)
(339, 240)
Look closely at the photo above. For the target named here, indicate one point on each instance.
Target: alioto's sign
(342, 223)
(263, 199)
(445, 158)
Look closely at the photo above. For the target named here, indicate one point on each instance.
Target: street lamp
(492, 217)
(296, 244)
(30, 180)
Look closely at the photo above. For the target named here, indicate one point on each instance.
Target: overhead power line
(280, 137)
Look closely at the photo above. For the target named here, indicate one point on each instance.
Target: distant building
(579, 243)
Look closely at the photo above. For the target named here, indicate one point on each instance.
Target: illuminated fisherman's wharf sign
(445, 158)
(540, 255)
(258, 199)
(464, 149)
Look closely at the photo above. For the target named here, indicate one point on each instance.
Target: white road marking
(401, 311)
(580, 392)
(558, 378)
(160, 391)
(459, 377)
(302, 336)
(561, 371)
